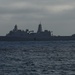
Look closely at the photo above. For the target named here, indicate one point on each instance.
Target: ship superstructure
(27, 34)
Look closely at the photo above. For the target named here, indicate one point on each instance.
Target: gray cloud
(56, 15)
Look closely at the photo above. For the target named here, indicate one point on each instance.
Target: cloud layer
(55, 15)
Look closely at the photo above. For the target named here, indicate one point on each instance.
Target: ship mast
(39, 28)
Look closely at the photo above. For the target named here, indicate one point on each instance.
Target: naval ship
(27, 35)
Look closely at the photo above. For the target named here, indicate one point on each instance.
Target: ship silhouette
(27, 35)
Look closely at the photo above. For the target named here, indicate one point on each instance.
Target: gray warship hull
(52, 38)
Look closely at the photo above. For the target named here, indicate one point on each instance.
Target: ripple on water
(37, 58)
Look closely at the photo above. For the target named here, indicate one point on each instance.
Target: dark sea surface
(37, 58)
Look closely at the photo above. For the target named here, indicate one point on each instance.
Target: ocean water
(37, 58)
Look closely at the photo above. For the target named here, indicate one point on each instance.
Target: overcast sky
(55, 15)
